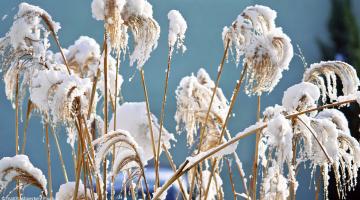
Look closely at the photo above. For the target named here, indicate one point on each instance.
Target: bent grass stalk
(185, 167)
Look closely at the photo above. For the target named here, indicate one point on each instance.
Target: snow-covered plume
(325, 75)
(177, 29)
(279, 138)
(66, 191)
(58, 95)
(23, 48)
(137, 15)
(193, 97)
(267, 51)
(300, 97)
(83, 57)
(132, 117)
(128, 153)
(19, 168)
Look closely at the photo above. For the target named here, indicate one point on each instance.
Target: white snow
(23, 163)
(280, 135)
(177, 29)
(300, 97)
(66, 191)
(132, 117)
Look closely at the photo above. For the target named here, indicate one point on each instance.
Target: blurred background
(323, 29)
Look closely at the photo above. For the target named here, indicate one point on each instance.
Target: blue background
(302, 20)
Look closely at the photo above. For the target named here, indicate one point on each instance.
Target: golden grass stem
(231, 178)
(173, 167)
(114, 125)
(256, 154)
(53, 33)
(78, 170)
(217, 82)
(149, 119)
(60, 155)
(17, 129)
(48, 158)
(162, 115)
(232, 103)
(293, 163)
(192, 183)
(28, 111)
(105, 104)
(93, 91)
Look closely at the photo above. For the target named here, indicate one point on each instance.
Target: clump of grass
(65, 88)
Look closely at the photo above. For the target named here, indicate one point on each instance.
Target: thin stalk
(78, 171)
(231, 178)
(48, 158)
(114, 125)
(192, 184)
(28, 111)
(317, 139)
(241, 173)
(213, 168)
(53, 33)
(84, 175)
(220, 70)
(149, 119)
(162, 116)
(60, 155)
(232, 103)
(217, 82)
(293, 163)
(186, 166)
(92, 154)
(318, 184)
(17, 128)
(93, 91)
(173, 167)
(105, 104)
(256, 154)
